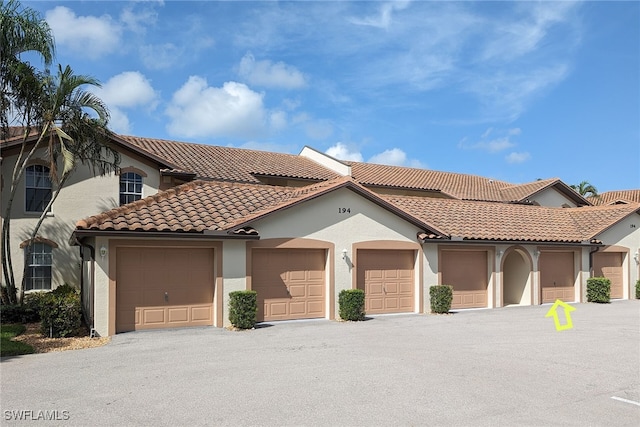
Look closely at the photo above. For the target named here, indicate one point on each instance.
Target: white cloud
(124, 91)
(384, 16)
(495, 145)
(394, 157)
(160, 56)
(517, 157)
(391, 157)
(199, 110)
(128, 89)
(268, 74)
(137, 20)
(278, 120)
(92, 36)
(340, 151)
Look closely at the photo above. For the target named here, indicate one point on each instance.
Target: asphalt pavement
(507, 366)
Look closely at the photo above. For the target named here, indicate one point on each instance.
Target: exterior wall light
(344, 253)
(636, 257)
(103, 251)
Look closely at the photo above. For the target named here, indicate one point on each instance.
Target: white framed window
(39, 263)
(37, 188)
(130, 187)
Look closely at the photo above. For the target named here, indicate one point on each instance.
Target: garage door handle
(166, 296)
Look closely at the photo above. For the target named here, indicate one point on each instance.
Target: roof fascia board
(510, 242)
(79, 234)
(325, 160)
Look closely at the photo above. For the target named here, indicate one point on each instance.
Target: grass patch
(9, 347)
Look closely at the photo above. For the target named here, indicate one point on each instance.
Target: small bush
(598, 289)
(11, 313)
(637, 289)
(61, 313)
(441, 297)
(243, 307)
(65, 289)
(32, 304)
(351, 303)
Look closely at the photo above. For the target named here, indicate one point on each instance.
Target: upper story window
(130, 187)
(39, 267)
(37, 188)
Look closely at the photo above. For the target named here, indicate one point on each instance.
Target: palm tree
(72, 125)
(22, 30)
(585, 189)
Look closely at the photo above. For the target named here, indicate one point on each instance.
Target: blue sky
(514, 91)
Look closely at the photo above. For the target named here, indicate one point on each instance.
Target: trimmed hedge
(351, 303)
(598, 289)
(243, 307)
(441, 297)
(638, 289)
(61, 312)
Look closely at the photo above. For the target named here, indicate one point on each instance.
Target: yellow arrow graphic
(553, 311)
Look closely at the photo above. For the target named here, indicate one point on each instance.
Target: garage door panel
(298, 292)
(467, 272)
(153, 315)
(609, 265)
(178, 314)
(145, 275)
(387, 278)
(557, 276)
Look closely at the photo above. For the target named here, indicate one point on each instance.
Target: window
(37, 188)
(130, 187)
(39, 271)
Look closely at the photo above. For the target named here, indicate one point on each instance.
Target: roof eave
(207, 234)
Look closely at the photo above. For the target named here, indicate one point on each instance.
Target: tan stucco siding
(553, 198)
(324, 219)
(82, 196)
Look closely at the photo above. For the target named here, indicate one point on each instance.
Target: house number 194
(344, 210)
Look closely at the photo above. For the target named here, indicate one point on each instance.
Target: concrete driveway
(505, 366)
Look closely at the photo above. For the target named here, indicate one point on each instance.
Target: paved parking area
(505, 366)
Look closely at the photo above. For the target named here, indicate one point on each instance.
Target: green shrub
(441, 297)
(598, 289)
(11, 313)
(32, 304)
(61, 313)
(243, 307)
(351, 303)
(65, 289)
(638, 289)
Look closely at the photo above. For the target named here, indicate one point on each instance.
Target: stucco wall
(324, 219)
(552, 198)
(82, 196)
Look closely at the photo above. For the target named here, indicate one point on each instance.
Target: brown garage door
(290, 283)
(387, 278)
(557, 276)
(467, 272)
(609, 265)
(164, 288)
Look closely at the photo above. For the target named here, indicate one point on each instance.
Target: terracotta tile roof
(193, 207)
(231, 164)
(620, 196)
(217, 206)
(201, 206)
(456, 185)
(474, 220)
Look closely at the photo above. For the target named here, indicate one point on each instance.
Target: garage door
(467, 272)
(290, 283)
(164, 287)
(609, 265)
(387, 279)
(557, 276)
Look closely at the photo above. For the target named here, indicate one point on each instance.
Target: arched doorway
(516, 284)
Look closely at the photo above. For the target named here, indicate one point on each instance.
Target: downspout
(92, 275)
